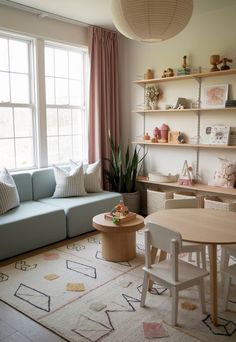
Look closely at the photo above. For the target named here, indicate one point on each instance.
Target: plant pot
(132, 201)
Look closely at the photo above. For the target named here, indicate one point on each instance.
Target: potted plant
(121, 175)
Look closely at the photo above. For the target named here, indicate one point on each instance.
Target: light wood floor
(16, 327)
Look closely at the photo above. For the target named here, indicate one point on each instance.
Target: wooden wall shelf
(202, 188)
(186, 77)
(144, 142)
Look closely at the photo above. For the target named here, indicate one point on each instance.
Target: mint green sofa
(41, 220)
(32, 224)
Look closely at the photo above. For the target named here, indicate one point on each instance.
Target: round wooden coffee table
(118, 240)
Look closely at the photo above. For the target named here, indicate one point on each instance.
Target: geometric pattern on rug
(225, 327)
(156, 289)
(34, 297)
(23, 266)
(95, 331)
(98, 255)
(3, 277)
(86, 270)
(75, 247)
(116, 287)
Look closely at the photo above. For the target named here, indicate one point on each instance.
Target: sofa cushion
(29, 226)
(92, 176)
(9, 197)
(69, 183)
(81, 210)
(23, 182)
(43, 182)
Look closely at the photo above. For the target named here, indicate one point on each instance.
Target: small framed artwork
(215, 95)
(217, 134)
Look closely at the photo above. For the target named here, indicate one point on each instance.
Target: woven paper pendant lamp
(151, 20)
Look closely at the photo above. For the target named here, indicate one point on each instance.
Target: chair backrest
(165, 239)
(181, 203)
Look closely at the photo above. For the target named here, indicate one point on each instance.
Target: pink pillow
(225, 174)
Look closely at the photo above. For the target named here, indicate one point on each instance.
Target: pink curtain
(103, 94)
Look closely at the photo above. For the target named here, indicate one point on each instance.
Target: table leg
(213, 282)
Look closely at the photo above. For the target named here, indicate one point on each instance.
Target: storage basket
(184, 194)
(215, 202)
(156, 200)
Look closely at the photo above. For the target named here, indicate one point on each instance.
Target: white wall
(32, 25)
(209, 33)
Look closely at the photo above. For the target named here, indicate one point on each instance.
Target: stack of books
(230, 103)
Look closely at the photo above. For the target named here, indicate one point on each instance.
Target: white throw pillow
(225, 174)
(9, 197)
(92, 176)
(69, 183)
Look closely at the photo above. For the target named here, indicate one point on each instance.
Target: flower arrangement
(152, 93)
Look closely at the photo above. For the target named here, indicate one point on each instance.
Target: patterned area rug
(74, 292)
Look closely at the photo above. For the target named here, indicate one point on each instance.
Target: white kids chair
(172, 273)
(189, 247)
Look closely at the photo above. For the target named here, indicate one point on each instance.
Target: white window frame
(31, 104)
(83, 107)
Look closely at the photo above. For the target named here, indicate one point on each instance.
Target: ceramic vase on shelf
(153, 105)
(147, 104)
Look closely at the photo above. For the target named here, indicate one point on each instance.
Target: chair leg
(224, 262)
(145, 288)
(174, 309)
(190, 256)
(203, 257)
(198, 258)
(227, 283)
(202, 296)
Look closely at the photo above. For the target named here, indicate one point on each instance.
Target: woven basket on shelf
(184, 194)
(156, 200)
(219, 203)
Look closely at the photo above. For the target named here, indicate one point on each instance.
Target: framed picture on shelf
(214, 96)
(217, 134)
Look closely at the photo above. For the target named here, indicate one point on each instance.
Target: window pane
(61, 63)
(77, 147)
(6, 123)
(4, 87)
(4, 54)
(77, 122)
(61, 91)
(76, 93)
(64, 121)
(50, 90)
(52, 128)
(23, 122)
(7, 153)
(18, 56)
(49, 61)
(75, 65)
(65, 149)
(53, 155)
(19, 88)
(24, 152)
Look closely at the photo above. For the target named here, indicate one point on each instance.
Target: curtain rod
(46, 14)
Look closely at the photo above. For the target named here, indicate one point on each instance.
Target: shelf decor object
(218, 134)
(215, 95)
(151, 20)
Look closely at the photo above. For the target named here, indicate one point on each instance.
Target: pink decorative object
(51, 256)
(164, 132)
(154, 330)
(156, 132)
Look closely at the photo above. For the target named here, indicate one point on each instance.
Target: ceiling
(98, 12)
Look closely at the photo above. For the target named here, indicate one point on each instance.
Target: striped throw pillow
(69, 183)
(92, 176)
(9, 197)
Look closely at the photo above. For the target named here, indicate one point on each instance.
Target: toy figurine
(225, 66)
(168, 73)
(146, 136)
(156, 133)
(164, 133)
